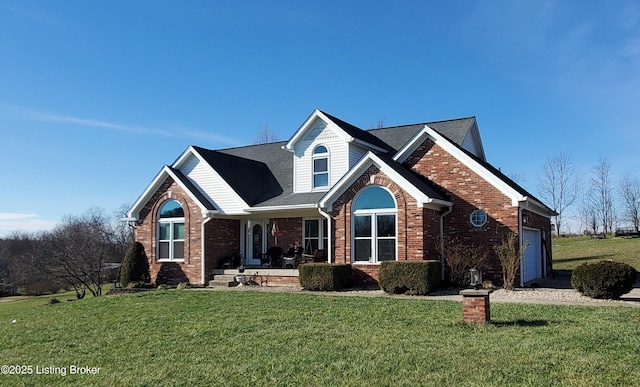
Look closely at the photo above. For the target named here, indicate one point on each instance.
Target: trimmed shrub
(409, 277)
(135, 266)
(604, 279)
(325, 276)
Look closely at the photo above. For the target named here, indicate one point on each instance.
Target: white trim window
(315, 235)
(320, 165)
(171, 232)
(374, 226)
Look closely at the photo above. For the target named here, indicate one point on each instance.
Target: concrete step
(225, 280)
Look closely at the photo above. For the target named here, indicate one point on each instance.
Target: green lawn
(235, 338)
(571, 252)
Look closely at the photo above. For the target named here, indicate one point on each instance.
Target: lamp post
(476, 278)
(475, 301)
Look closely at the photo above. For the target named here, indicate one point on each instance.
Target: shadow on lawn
(520, 323)
(585, 259)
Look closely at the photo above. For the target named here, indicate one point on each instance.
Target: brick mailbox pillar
(475, 304)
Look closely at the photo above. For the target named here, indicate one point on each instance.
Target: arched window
(374, 226)
(171, 231)
(320, 167)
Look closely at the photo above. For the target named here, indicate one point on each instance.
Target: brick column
(475, 304)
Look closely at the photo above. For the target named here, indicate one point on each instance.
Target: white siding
(319, 134)
(212, 186)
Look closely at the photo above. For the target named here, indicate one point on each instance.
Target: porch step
(225, 280)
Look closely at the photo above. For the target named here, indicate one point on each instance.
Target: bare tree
(75, 252)
(630, 192)
(559, 185)
(602, 184)
(265, 136)
(588, 211)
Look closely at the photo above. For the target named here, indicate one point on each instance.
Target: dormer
(324, 148)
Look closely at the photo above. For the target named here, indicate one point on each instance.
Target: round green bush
(604, 279)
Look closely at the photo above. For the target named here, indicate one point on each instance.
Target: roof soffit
(309, 124)
(155, 184)
(365, 162)
(466, 159)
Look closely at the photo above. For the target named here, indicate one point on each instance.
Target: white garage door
(532, 260)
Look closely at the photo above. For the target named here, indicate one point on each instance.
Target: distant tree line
(599, 203)
(81, 253)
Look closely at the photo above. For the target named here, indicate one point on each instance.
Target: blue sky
(95, 97)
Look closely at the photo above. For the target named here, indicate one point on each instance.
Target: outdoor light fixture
(476, 278)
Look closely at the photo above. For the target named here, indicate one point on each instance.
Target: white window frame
(478, 218)
(172, 222)
(319, 156)
(321, 233)
(374, 238)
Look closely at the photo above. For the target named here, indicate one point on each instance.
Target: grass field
(571, 252)
(235, 338)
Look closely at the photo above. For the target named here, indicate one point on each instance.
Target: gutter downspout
(442, 240)
(202, 249)
(328, 248)
(522, 207)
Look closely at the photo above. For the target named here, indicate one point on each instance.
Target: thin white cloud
(23, 222)
(179, 131)
(34, 15)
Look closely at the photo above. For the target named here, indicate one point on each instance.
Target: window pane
(178, 231)
(386, 249)
(320, 165)
(363, 250)
(362, 226)
(178, 250)
(320, 149)
(310, 246)
(374, 197)
(171, 209)
(311, 228)
(164, 250)
(386, 225)
(321, 180)
(164, 231)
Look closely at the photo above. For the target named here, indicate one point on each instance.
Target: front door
(255, 241)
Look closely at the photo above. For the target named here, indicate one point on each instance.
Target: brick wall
(417, 230)
(146, 233)
(468, 191)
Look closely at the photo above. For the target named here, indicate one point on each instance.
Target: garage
(532, 259)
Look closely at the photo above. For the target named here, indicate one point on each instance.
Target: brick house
(361, 196)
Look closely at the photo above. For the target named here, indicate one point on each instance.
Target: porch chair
(318, 256)
(272, 256)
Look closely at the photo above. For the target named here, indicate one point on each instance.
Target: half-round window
(478, 218)
(374, 197)
(171, 209)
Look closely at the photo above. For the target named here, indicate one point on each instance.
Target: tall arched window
(171, 231)
(320, 167)
(374, 226)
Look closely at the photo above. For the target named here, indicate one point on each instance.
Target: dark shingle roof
(358, 133)
(252, 179)
(263, 174)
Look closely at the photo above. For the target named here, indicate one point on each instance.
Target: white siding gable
(211, 185)
(319, 133)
